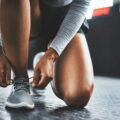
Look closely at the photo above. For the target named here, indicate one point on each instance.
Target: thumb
(8, 75)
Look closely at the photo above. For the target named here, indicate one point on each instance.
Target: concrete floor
(104, 104)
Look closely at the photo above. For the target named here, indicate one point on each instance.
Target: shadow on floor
(104, 104)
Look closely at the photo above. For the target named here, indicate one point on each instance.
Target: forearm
(70, 25)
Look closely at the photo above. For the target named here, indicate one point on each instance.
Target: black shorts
(52, 18)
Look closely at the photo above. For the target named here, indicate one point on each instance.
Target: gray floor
(104, 104)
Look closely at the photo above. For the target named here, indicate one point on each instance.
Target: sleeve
(70, 25)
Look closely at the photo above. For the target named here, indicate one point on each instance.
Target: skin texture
(73, 73)
(5, 70)
(70, 75)
(15, 31)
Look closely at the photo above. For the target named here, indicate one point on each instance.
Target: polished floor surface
(104, 104)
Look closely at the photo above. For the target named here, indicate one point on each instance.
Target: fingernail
(33, 84)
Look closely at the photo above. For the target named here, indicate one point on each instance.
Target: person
(66, 63)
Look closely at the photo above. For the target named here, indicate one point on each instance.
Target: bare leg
(15, 24)
(73, 74)
(35, 17)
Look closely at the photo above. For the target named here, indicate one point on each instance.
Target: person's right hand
(5, 71)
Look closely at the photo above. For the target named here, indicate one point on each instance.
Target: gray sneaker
(20, 94)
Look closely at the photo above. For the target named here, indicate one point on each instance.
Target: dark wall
(104, 43)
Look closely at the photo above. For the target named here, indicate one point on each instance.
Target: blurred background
(103, 37)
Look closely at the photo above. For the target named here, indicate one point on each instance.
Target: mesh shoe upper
(20, 92)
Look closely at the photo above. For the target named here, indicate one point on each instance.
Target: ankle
(25, 75)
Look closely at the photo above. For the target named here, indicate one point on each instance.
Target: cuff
(58, 50)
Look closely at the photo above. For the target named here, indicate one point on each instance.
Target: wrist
(52, 54)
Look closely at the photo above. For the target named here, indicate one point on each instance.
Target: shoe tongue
(21, 82)
(21, 79)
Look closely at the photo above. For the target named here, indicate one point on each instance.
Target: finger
(43, 82)
(1, 76)
(36, 77)
(4, 75)
(8, 75)
(1, 80)
(4, 84)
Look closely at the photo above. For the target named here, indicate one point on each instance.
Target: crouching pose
(66, 63)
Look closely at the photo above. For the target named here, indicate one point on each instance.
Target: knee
(12, 2)
(78, 98)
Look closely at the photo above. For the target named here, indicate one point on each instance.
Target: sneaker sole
(20, 105)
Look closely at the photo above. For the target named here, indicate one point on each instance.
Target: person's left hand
(43, 72)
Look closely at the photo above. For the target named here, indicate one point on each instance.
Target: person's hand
(43, 72)
(5, 70)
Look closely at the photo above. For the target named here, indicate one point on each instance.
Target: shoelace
(21, 84)
(12, 80)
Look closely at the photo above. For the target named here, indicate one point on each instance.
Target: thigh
(73, 71)
(35, 17)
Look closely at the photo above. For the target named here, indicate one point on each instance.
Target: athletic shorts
(52, 17)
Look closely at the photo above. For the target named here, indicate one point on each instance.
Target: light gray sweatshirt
(71, 23)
